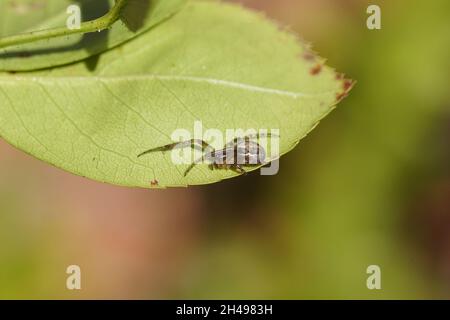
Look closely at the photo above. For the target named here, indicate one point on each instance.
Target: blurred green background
(371, 185)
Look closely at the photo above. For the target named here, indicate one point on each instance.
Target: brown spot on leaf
(347, 85)
(315, 70)
(309, 56)
(154, 183)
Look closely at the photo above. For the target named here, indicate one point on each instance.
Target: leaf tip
(346, 86)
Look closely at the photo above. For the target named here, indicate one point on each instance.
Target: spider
(243, 152)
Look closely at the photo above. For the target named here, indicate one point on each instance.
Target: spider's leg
(267, 161)
(199, 160)
(193, 143)
(189, 169)
(237, 168)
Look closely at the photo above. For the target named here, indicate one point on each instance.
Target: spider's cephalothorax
(234, 155)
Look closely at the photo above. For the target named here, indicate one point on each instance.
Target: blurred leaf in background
(36, 15)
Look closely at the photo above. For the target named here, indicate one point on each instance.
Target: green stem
(99, 24)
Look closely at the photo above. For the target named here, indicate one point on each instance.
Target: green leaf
(136, 17)
(22, 15)
(212, 62)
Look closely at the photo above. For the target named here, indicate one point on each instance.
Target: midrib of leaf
(211, 81)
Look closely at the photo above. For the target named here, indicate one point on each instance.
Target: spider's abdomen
(249, 152)
(242, 153)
